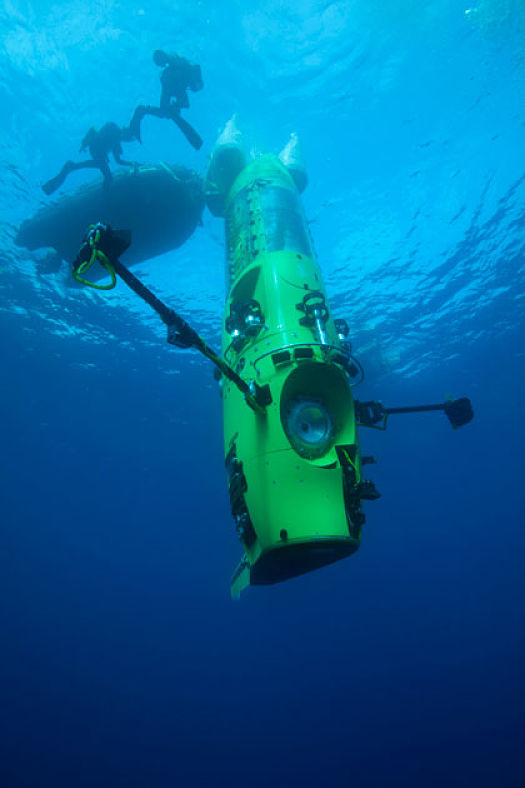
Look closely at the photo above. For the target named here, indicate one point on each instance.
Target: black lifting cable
(104, 245)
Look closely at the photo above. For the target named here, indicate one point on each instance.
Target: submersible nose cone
(309, 427)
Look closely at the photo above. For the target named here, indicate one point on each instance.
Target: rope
(96, 257)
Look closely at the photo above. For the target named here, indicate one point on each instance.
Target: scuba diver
(178, 76)
(100, 143)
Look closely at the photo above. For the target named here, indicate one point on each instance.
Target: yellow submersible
(294, 469)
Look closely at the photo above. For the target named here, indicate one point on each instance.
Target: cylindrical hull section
(294, 470)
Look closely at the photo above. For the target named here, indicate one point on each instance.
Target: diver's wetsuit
(178, 76)
(100, 143)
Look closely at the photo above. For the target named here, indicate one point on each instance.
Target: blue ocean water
(124, 661)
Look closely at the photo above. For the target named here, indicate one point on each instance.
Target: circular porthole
(309, 427)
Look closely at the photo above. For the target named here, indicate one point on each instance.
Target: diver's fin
(134, 124)
(55, 183)
(189, 132)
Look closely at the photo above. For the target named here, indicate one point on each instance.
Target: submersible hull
(294, 471)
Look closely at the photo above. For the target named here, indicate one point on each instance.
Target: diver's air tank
(294, 471)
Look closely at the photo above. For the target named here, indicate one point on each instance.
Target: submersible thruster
(294, 470)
